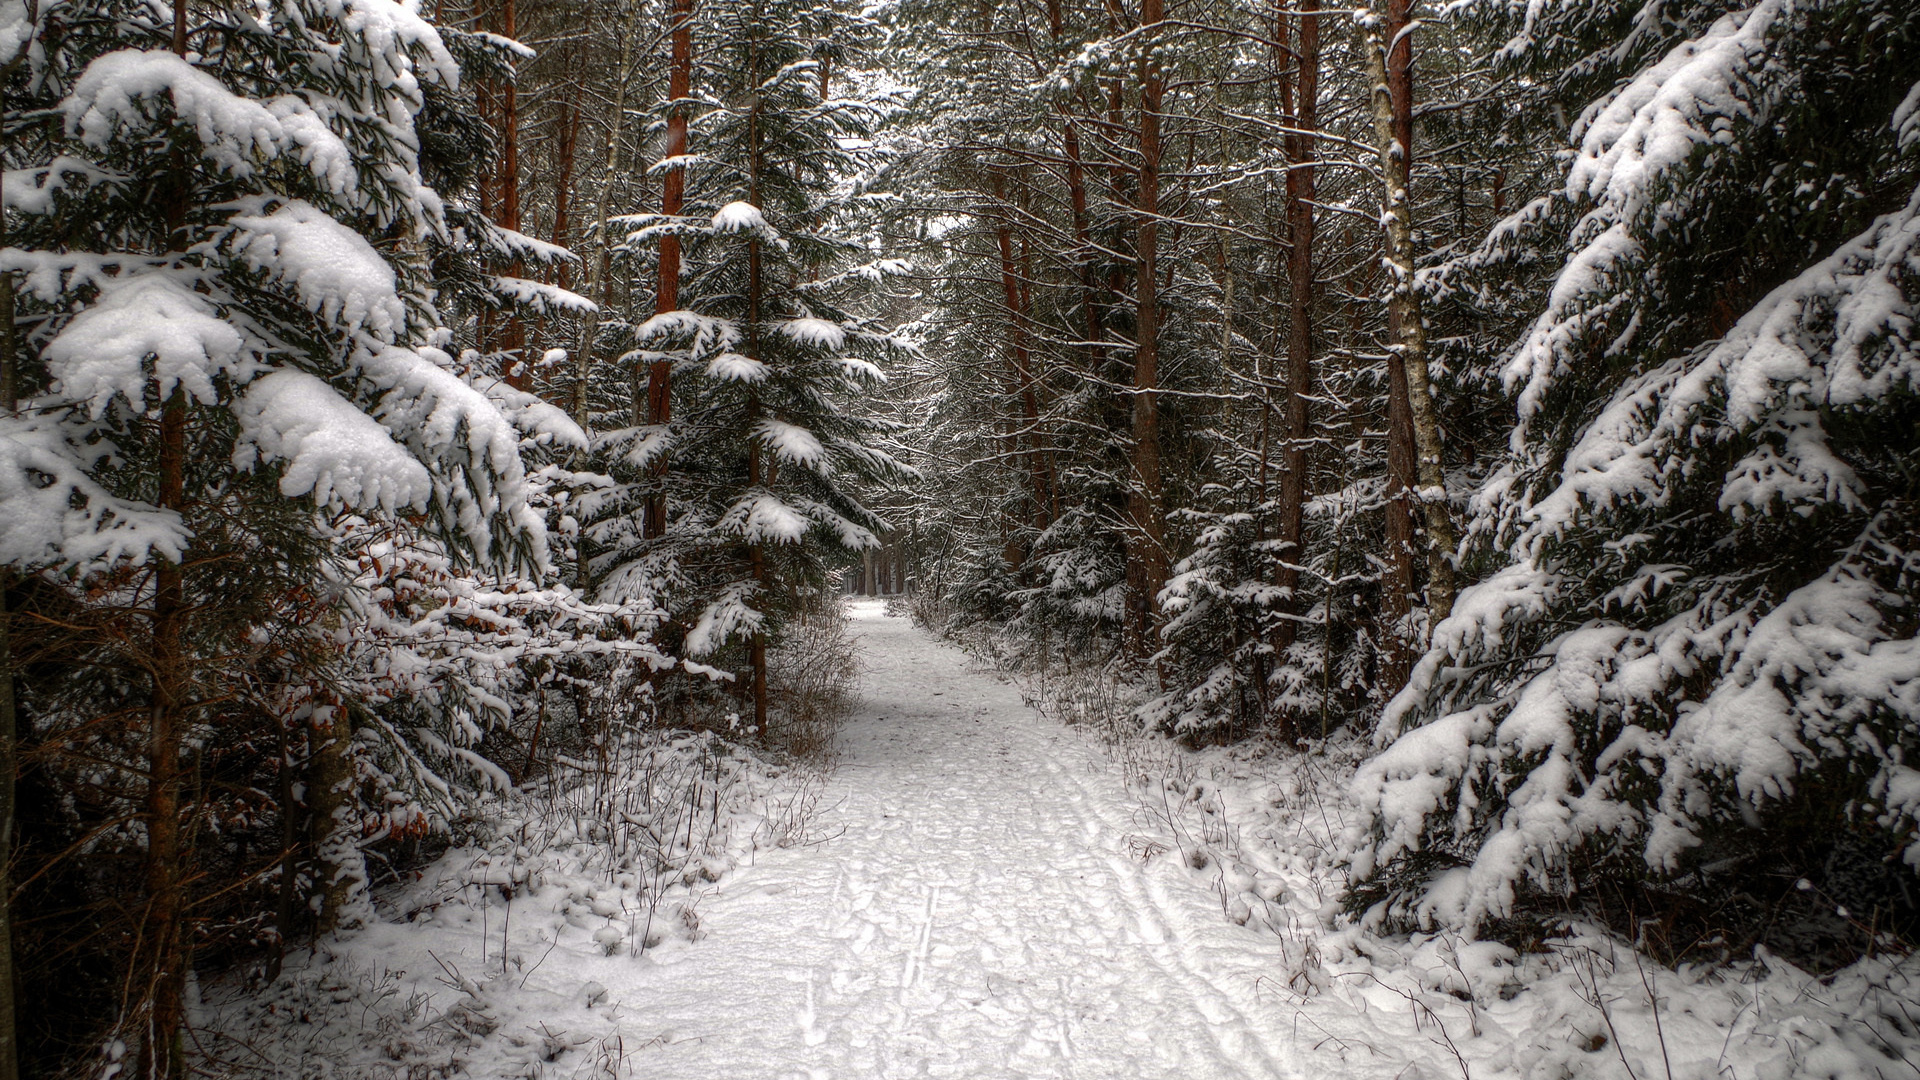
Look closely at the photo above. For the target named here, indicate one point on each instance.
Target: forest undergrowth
(1269, 829)
(610, 853)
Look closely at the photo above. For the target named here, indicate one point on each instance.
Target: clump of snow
(698, 334)
(16, 29)
(448, 423)
(543, 422)
(332, 451)
(792, 443)
(32, 190)
(541, 297)
(59, 517)
(110, 99)
(738, 217)
(732, 367)
(103, 353)
(337, 274)
(819, 333)
(766, 517)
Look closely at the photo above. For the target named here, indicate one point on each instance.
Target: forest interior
(960, 538)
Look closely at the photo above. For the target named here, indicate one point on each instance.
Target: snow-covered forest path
(975, 914)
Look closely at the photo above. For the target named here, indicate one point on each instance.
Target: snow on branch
(59, 517)
(542, 298)
(332, 450)
(335, 272)
(1628, 145)
(114, 97)
(819, 333)
(792, 444)
(154, 317)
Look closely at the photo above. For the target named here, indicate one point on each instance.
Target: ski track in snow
(974, 914)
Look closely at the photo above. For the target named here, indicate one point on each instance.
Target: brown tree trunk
(1397, 587)
(1300, 100)
(165, 960)
(598, 269)
(1020, 361)
(1077, 201)
(757, 553)
(1392, 105)
(1147, 559)
(500, 202)
(10, 401)
(289, 847)
(659, 411)
(565, 143)
(161, 958)
(342, 869)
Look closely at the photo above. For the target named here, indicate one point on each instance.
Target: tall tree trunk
(336, 851)
(1077, 201)
(286, 907)
(673, 188)
(1300, 100)
(162, 1046)
(164, 963)
(565, 143)
(1389, 49)
(1020, 360)
(1397, 587)
(757, 657)
(9, 767)
(597, 270)
(1147, 561)
(500, 202)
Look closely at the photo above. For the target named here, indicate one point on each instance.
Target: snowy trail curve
(977, 914)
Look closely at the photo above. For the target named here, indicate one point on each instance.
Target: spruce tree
(766, 449)
(1702, 642)
(227, 254)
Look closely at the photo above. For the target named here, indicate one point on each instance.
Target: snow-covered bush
(1700, 663)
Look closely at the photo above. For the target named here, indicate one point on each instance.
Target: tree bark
(757, 656)
(1020, 360)
(500, 202)
(1300, 101)
(1077, 201)
(565, 144)
(164, 966)
(1147, 561)
(1397, 587)
(598, 269)
(342, 869)
(161, 960)
(1389, 50)
(9, 767)
(659, 411)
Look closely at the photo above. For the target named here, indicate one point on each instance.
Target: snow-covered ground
(985, 892)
